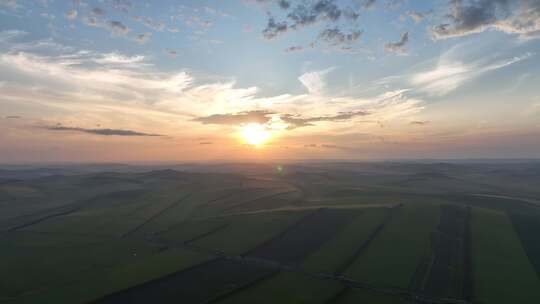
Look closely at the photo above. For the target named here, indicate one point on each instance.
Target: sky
(243, 80)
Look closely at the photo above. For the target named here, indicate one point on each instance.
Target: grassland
(341, 250)
(353, 296)
(301, 289)
(502, 271)
(398, 249)
(325, 233)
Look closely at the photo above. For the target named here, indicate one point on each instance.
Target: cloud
(148, 22)
(96, 11)
(11, 4)
(206, 143)
(274, 120)
(368, 4)
(296, 121)
(451, 73)
(122, 5)
(171, 53)
(126, 92)
(116, 28)
(274, 29)
(307, 13)
(71, 14)
(325, 146)
(231, 119)
(334, 36)
(419, 122)
(304, 15)
(399, 46)
(294, 48)
(417, 17)
(120, 59)
(7, 35)
(104, 132)
(77, 70)
(521, 17)
(143, 38)
(13, 117)
(351, 14)
(284, 4)
(315, 82)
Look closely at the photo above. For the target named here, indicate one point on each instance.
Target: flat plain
(309, 233)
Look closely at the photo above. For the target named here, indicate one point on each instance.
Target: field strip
(162, 211)
(42, 219)
(272, 264)
(447, 273)
(47, 214)
(339, 271)
(267, 196)
(179, 244)
(241, 288)
(337, 297)
(305, 208)
(217, 199)
(529, 201)
(365, 243)
(468, 280)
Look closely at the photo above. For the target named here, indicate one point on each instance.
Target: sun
(255, 134)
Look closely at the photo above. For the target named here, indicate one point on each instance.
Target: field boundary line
(158, 214)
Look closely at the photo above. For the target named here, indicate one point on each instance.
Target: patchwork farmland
(315, 234)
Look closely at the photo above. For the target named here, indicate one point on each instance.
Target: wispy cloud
(116, 58)
(150, 23)
(450, 73)
(108, 87)
(11, 4)
(122, 5)
(417, 17)
(8, 35)
(315, 81)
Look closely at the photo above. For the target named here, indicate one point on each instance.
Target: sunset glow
(124, 80)
(255, 134)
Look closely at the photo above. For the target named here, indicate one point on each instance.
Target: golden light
(255, 134)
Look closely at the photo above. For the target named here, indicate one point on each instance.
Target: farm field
(372, 233)
(491, 272)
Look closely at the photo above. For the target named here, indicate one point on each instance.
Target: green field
(302, 289)
(392, 258)
(502, 271)
(327, 234)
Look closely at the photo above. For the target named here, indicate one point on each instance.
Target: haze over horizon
(241, 80)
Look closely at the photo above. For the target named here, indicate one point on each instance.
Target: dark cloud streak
(257, 116)
(104, 132)
(399, 46)
(467, 17)
(295, 121)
